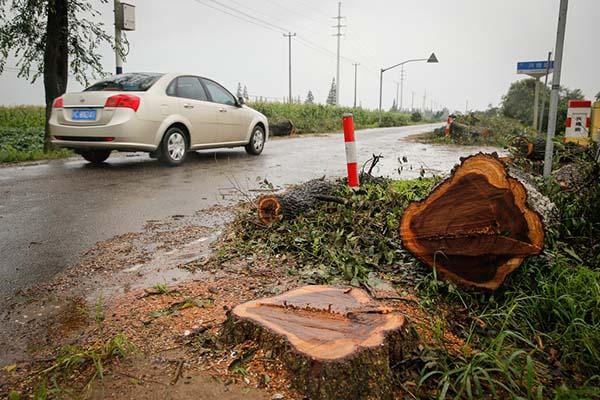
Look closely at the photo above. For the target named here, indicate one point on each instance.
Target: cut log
(539, 202)
(476, 227)
(458, 130)
(577, 176)
(336, 342)
(295, 201)
(530, 148)
(282, 128)
(536, 149)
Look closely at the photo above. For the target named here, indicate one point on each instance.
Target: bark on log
(336, 342)
(295, 201)
(282, 128)
(536, 149)
(476, 227)
(458, 129)
(530, 148)
(577, 176)
(539, 202)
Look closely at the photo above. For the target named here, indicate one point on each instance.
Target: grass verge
(538, 337)
(491, 129)
(22, 127)
(71, 372)
(22, 135)
(319, 118)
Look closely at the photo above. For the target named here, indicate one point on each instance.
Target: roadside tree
(310, 98)
(53, 39)
(331, 96)
(517, 103)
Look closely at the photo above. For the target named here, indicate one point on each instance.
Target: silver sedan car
(166, 115)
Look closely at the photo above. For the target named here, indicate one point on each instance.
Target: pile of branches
(463, 127)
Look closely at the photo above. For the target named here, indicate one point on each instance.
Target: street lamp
(432, 59)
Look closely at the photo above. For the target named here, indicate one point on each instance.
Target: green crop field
(22, 127)
(318, 118)
(22, 135)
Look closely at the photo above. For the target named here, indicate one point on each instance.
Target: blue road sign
(534, 68)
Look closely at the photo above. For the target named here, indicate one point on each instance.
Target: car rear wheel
(95, 156)
(257, 141)
(174, 146)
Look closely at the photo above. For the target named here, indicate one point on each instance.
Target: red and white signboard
(578, 121)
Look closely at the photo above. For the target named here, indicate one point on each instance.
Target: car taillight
(58, 103)
(123, 101)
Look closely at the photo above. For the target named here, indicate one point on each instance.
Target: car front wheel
(95, 156)
(174, 147)
(257, 141)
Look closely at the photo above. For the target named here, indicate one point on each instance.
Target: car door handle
(222, 110)
(186, 105)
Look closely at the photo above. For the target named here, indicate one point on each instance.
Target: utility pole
(541, 119)
(560, 41)
(339, 35)
(397, 90)
(432, 59)
(536, 101)
(380, 91)
(118, 46)
(290, 35)
(355, 80)
(424, 99)
(401, 88)
(412, 102)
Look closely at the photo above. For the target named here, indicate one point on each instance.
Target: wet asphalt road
(52, 212)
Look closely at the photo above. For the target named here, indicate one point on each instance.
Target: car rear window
(125, 83)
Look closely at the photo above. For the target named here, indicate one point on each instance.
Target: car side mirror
(241, 101)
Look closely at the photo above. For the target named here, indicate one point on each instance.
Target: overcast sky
(478, 43)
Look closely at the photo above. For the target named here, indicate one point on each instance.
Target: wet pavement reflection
(50, 213)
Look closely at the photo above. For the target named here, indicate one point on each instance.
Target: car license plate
(84, 115)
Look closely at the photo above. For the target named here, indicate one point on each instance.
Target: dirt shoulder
(162, 293)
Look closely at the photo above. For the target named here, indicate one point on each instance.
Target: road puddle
(167, 267)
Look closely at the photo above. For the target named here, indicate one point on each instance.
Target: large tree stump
(536, 149)
(298, 200)
(476, 227)
(282, 128)
(336, 342)
(529, 148)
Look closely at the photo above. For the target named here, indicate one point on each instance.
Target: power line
(274, 27)
(266, 25)
(312, 7)
(309, 42)
(238, 17)
(17, 69)
(249, 16)
(315, 23)
(359, 45)
(294, 12)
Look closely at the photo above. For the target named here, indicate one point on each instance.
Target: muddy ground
(166, 290)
